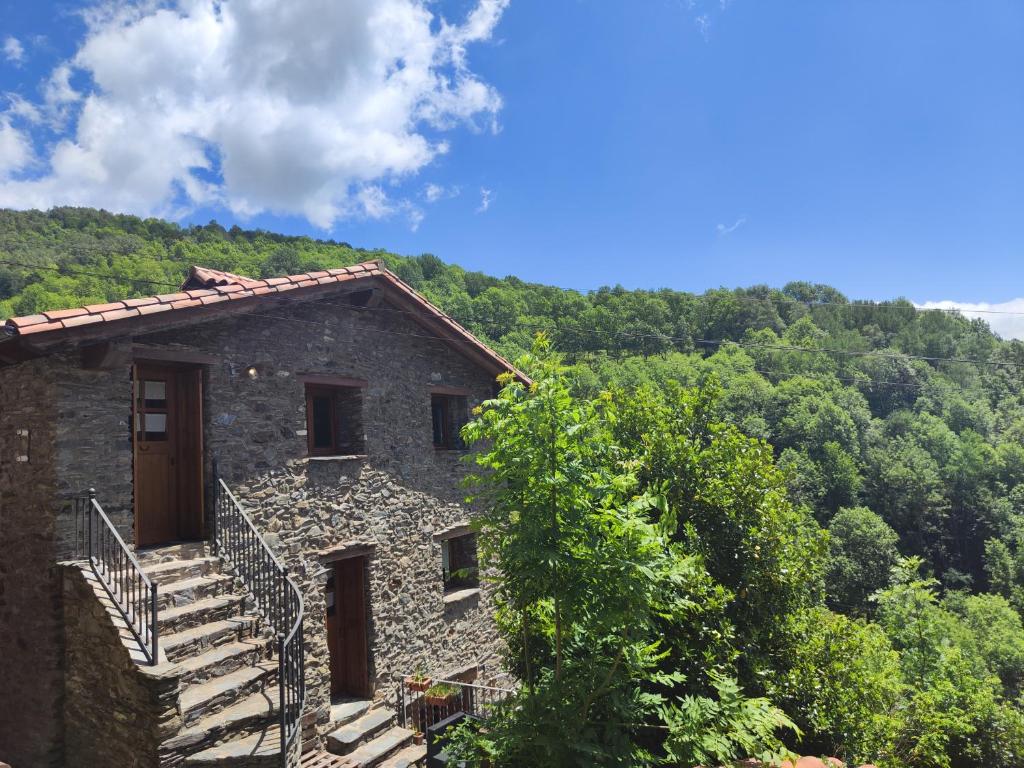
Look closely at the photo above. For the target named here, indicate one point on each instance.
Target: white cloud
(290, 106)
(434, 192)
(15, 149)
(1005, 318)
(485, 200)
(703, 23)
(14, 51)
(723, 229)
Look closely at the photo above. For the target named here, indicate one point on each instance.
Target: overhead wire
(595, 332)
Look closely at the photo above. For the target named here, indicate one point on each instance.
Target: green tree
(862, 553)
(585, 575)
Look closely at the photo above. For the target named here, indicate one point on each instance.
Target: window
(334, 420)
(448, 414)
(458, 562)
(151, 410)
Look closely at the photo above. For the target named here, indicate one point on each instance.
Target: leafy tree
(586, 574)
(862, 553)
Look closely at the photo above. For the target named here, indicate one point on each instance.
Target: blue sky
(874, 145)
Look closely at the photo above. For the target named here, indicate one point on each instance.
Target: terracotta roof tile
(152, 309)
(27, 320)
(117, 314)
(71, 322)
(169, 298)
(93, 309)
(140, 302)
(60, 314)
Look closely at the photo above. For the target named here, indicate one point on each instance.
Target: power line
(625, 334)
(782, 300)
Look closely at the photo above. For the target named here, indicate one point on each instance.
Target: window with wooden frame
(334, 420)
(449, 413)
(459, 562)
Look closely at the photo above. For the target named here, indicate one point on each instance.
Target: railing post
(216, 506)
(91, 494)
(282, 714)
(154, 631)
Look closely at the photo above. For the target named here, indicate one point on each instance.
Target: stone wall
(30, 620)
(396, 498)
(116, 711)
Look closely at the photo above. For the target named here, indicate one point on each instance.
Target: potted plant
(417, 738)
(417, 682)
(442, 694)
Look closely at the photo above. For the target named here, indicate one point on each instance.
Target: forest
(798, 517)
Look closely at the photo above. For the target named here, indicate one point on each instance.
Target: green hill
(917, 415)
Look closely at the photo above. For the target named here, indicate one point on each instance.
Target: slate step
(177, 570)
(222, 659)
(203, 611)
(388, 743)
(253, 714)
(190, 590)
(259, 749)
(195, 640)
(343, 740)
(410, 756)
(344, 712)
(202, 699)
(186, 550)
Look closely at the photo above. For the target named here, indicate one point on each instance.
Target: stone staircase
(228, 701)
(209, 631)
(367, 735)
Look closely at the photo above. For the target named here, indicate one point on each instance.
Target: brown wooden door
(347, 623)
(168, 454)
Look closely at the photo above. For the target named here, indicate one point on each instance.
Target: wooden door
(347, 623)
(168, 454)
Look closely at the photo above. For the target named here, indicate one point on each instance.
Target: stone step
(412, 755)
(343, 740)
(253, 714)
(345, 711)
(222, 659)
(204, 611)
(190, 590)
(262, 748)
(177, 570)
(387, 744)
(186, 550)
(196, 640)
(259, 749)
(201, 699)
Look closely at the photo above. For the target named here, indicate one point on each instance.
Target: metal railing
(236, 539)
(425, 702)
(110, 559)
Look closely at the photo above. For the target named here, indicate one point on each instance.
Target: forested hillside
(899, 431)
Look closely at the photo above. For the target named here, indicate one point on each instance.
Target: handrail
(237, 540)
(132, 592)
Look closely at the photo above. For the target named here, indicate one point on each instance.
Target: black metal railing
(236, 539)
(424, 702)
(110, 559)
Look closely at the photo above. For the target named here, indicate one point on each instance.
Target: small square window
(334, 420)
(459, 562)
(449, 413)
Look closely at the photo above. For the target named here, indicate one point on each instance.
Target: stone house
(280, 459)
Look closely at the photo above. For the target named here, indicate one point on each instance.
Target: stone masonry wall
(117, 712)
(396, 498)
(30, 621)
